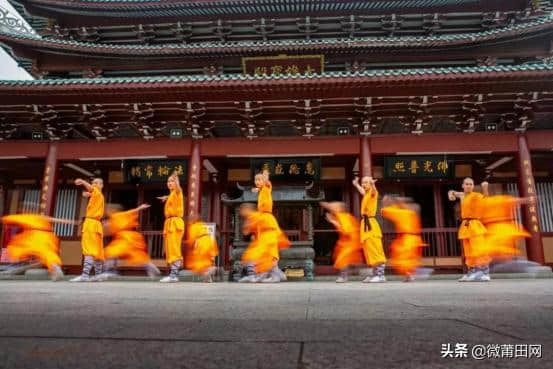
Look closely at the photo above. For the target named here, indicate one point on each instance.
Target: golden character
(414, 167)
(179, 170)
(294, 169)
(292, 69)
(310, 168)
(276, 70)
(260, 71)
(136, 171)
(163, 171)
(443, 166)
(427, 166)
(149, 171)
(399, 166)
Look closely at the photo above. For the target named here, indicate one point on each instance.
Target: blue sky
(8, 66)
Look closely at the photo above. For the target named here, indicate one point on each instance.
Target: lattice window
(66, 208)
(29, 202)
(545, 203)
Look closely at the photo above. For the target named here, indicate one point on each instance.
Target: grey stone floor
(298, 325)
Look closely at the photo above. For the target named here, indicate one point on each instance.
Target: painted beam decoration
(289, 169)
(418, 167)
(153, 171)
(283, 65)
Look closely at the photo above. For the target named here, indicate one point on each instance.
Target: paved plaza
(296, 325)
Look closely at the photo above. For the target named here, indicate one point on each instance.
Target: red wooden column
(365, 169)
(365, 160)
(194, 198)
(527, 188)
(439, 216)
(50, 181)
(215, 204)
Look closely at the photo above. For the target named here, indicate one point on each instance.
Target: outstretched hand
(162, 198)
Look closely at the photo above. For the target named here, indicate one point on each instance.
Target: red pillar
(49, 181)
(440, 222)
(215, 201)
(530, 216)
(365, 169)
(194, 180)
(365, 160)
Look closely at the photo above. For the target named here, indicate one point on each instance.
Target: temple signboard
(418, 167)
(153, 171)
(305, 169)
(283, 65)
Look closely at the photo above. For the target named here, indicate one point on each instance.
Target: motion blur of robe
(407, 247)
(502, 232)
(36, 240)
(347, 250)
(127, 243)
(263, 251)
(201, 248)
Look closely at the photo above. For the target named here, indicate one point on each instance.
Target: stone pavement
(301, 325)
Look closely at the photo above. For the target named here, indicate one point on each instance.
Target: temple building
(417, 93)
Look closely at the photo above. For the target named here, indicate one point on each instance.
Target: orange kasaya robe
(347, 250)
(407, 247)
(173, 228)
(127, 243)
(202, 248)
(35, 241)
(369, 232)
(502, 230)
(263, 251)
(92, 240)
(472, 231)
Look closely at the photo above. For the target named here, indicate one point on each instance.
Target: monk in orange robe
(127, 244)
(472, 232)
(36, 240)
(369, 231)
(347, 250)
(264, 188)
(407, 247)
(173, 228)
(503, 232)
(202, 249)
(92, 240)
(262, 253)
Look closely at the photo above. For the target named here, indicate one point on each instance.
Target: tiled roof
(247, 47)
(204, 79)
(165, 8)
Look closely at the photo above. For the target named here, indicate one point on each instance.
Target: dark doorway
(127, 198)
(153, 217)
(424, 196)
(451, 209)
